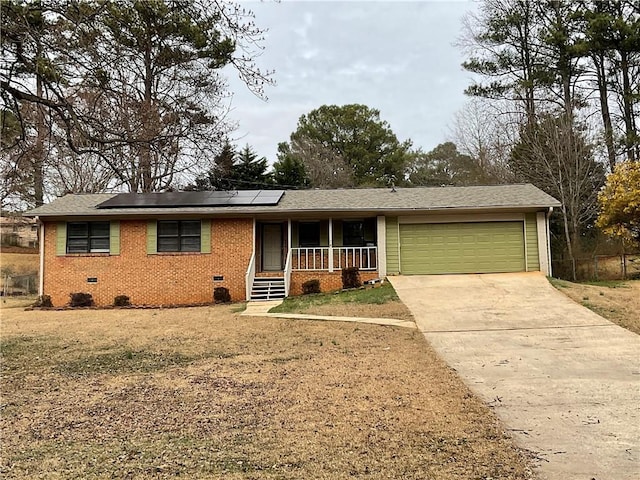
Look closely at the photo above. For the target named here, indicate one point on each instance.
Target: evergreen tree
(288, 170)
(249, 172)
(348, 145)
(219, 175)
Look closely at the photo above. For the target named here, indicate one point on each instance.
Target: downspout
(549, 241)
(41, 245)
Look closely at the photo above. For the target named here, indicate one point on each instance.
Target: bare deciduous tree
(554, 155)
(486, 131)
(324, 167)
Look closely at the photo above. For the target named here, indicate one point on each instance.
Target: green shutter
(61, 238)
(114, 237)
(205, 236)
(152, 237)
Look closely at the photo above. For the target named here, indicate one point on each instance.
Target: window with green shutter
(179, 235)
(88, 237)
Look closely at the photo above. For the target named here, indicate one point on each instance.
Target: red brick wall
(158, 279)
(328, 281)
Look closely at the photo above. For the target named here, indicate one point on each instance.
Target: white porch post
(330, 244)
(288, 235)
(382, 246)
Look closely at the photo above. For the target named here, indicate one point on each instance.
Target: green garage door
(462, 248)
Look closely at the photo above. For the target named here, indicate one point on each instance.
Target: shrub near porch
(329, 281)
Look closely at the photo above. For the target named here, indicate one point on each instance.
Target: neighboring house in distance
(16, 230)
(176, 247)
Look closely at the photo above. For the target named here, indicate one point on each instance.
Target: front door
(272, 247)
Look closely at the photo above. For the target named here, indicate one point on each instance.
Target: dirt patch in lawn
(394, 309)
(616, 301)
(204, 393)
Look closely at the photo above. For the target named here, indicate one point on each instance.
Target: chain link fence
(14, 285)
(599, 267)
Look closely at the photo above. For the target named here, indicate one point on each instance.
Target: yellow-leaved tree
(620, 203)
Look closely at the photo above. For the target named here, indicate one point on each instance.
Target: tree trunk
(627, 103)
(601, 75)
(38, 151)
(567, 236)
(530, 104)
(146, 180)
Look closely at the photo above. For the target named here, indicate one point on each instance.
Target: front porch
(288, 253)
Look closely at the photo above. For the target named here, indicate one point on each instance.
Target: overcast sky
(397, 57)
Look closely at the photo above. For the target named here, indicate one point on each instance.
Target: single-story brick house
(176, 247)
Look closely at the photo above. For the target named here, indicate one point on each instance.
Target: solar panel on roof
(194, 199)
(267, 197)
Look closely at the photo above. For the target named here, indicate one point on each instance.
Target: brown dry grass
(393, 309)
(616, 301)
(22, 263)
(17, 302)
(204, 393)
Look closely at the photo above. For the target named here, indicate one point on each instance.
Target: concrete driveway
(565, 381)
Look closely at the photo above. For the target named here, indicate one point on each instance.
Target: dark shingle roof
(340, 200)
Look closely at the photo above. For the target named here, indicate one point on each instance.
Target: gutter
(169, 212)
(549, 212)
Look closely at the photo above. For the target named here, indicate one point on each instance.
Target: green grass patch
(558, 283)
(608, 283)
(28, 352)
(24, 354)
(239, 307)
(122, 361)
(602, 311)
(371, 296)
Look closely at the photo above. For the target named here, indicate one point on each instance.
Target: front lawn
(618, 301)
(204, 393)
(379, 302)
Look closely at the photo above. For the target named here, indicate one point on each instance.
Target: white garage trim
(471, 218)
(382, 245)
(526, 251)
(544, 252)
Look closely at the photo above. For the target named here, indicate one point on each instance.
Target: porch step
(268, 288)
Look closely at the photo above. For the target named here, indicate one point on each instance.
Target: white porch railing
(250, 275)
(365, 258)
(330, 258)
(310, 258)
(287, 273)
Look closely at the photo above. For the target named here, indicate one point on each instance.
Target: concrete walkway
(565, 381)
(261, 309)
